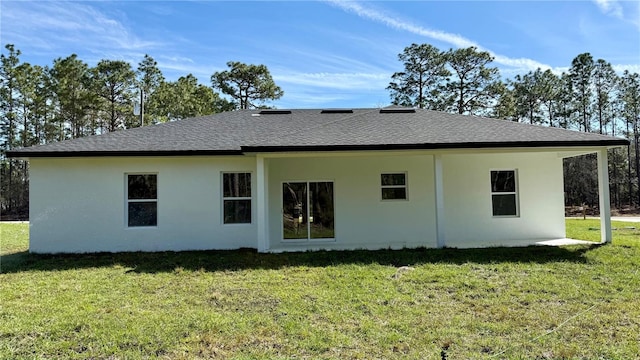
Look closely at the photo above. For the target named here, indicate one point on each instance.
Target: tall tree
(629, 93)
(473, 86)
(8, 105)
(581, 185)
(564, 108)
(604, 81)
(184, 98)
(549, 87)
(113, 81)
(149, 79)
(73, 95)
(581, 74)
(580, 172)
(248, 85)
(26, 84)
(528, 96)
(47, 129)
(8, 74)
(424, 71)
(505, 106)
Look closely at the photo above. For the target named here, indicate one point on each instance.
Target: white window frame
(127, 200)
(405, 186)
(226, 198)
(308, 239)
(516, 193)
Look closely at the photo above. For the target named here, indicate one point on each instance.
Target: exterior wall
(362, 219)
(78, 205)
(467, 199)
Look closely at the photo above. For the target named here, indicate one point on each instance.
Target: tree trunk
(461, 99)
(629, 184)
(420, 95)
(637, 136)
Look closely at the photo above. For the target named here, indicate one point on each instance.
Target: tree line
(70, 99)
(590, 96)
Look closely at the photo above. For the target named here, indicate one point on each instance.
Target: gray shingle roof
(242, 131)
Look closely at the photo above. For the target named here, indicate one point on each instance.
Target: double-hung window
(236, 198)
(394, 186)
(504, 192)
(142, 200)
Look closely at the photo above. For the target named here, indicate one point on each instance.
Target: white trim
(562, 151)
(405, 186)
(439, 196)
(223, 198)
(308, 238)
(516, 193)
(603, 197)
(262, 204)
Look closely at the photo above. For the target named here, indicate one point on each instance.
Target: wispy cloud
(455, 40)
(610, 7)
(321, 60)
(627, 11)
(60, 24)
(632, 68)
(174, 67)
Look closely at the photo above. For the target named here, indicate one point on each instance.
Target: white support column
(603, 190)
(262, 204)
(439, 195)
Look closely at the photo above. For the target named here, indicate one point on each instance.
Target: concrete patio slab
(613, 218)
(563, 242)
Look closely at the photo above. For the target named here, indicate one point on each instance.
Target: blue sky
(322, 53)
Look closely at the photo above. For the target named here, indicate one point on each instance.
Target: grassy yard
(523, 303)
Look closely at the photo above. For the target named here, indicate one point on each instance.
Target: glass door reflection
(308, 210)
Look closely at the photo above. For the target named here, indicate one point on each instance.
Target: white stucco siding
(469, 221)
(362, 219)
(79, 205)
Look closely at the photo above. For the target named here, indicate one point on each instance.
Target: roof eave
(317, 148)
(126, 153)
(438, 146)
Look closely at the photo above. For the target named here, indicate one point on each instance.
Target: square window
(142, 200)
(394, 186)
(237, 211)
(503, 181)
(236, 198)
(504, 205)
(504, 194)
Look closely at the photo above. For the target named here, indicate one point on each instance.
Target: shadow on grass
(144, 262)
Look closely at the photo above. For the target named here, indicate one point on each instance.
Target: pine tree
(473, 86)
(424, 71)
(581, 75)
(248, 85)
(113, 81)
(73, 96)
(149, 79)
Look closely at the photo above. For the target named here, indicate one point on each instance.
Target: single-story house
(294, 180)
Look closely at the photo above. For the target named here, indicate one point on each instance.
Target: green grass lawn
(574, 302)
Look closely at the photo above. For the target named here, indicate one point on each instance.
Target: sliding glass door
(307, 210)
